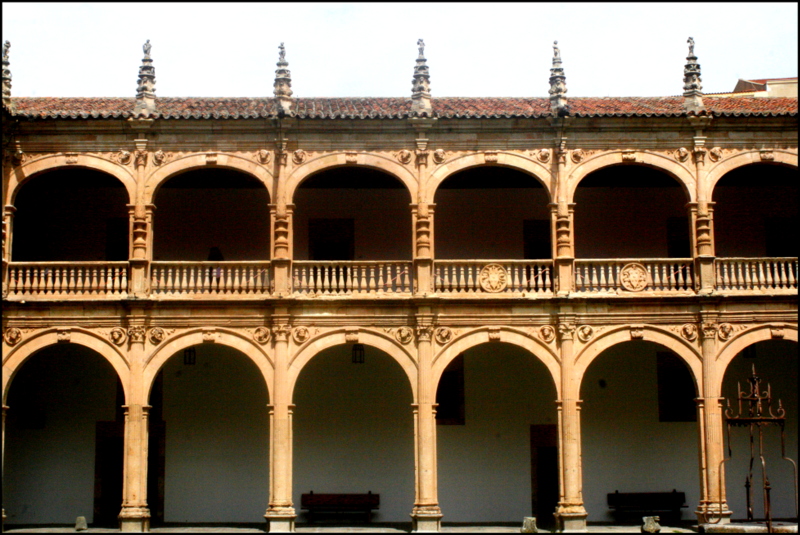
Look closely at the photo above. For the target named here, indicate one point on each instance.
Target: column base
(571, 522)
(134, 519)
(426, 519)
(280, 519)
(712, 513)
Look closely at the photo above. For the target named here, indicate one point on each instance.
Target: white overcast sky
(368, 50)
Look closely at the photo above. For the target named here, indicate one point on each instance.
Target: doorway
(544, 473)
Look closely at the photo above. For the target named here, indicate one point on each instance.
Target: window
(450, 394)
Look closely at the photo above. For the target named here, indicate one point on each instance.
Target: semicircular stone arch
(193, 162)
(479, 336)
(726, 165)
(618, 335)
(376, 339)
(23, 174)
(15, 358)
(377, 162)
(227, 337)
(682, 174)
(504, 159)
(743, 339)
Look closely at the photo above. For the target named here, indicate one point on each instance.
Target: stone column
(141, 248)
(8, 219)
(281, 513)
(561, 223)
(426, 515)
(570, 513)
(282, 250)
(3, 459)
(135, 515)
(713, 504)
(422, 216)
(701, 215)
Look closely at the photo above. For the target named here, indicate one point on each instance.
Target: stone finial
(558, 85)
(692, 86)
(6, 75)
(421, 86)
(146, 90)
(283, 84)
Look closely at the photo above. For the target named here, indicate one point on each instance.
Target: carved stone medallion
(264, 156)
(443, 335)
(301, 334)
(724, 331)
(689, 331)
(404, 335)
(493, 278)
(682, 154)
(12, 336)
(634, 277)
(715, 154)
(439, 156)
(585, 333)
(543, 155)
(547, 333)
(157, 335)
(404, 156)
(124, 157)
(261, 335)
(117, 336)
(299, 156)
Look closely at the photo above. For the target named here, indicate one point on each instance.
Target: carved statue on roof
(282, 53)
(691, 46)
(147, 47)
(556, 52)
(421, 45)
(6, 46)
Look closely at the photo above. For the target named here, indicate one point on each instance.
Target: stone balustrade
(64, 280)
(753, 274)
(347, 278)
(190, 279)
(634, 275)
(493, 276)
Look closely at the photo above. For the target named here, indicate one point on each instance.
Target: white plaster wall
(217, 438)
(485, 465)
(354, 431)
(48, 475)
(624, 446)
(776, 364)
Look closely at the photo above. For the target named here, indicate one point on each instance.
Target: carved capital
(699, 154)
(137, 334)
(566, 331)
(281, 332)
(140, 157)
(424, 333)
(708, 330)
(422, 156)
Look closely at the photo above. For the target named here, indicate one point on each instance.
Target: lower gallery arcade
(210, 442)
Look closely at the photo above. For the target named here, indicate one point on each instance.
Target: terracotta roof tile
(393, 108)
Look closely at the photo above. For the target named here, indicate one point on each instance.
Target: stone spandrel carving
(12, 336)
(117, 336)
(682, 154)
(585, 333)
(443, 335)
(264, 156)
(299, 156)
(547, 333)
(404, 156)
(156, 335)
(261, 335)
(724, 331)
(634, 277)
(404, 335)
(439, 156)
(493, 278)
(301, 334)
(689, 331)
(543, 155)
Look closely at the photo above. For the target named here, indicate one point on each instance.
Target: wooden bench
(625, 504)
(340, 504)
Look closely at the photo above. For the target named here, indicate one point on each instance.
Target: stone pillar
(561, 218)
(8, 219)
(713, 504)
(701, 215)
(426, 515)
(422, 216)
(570, 513)
(281, 514)
(282, 250)
(141, 248)
(135, 515)
(3, 459)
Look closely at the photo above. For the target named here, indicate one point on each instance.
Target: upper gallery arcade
(551, 272)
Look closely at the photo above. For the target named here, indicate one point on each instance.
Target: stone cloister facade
(282, 309)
